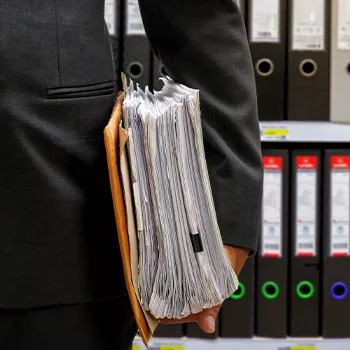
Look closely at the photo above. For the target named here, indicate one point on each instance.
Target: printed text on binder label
(340, 214)
(306, 187)
(343, 24)
(134, 24)
(269, 133)
(265, 21)
(272, 208)
(308, 25)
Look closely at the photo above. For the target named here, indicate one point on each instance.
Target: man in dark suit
(61, 276)
(203, 44)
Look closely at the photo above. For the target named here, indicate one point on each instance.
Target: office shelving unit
(304, 132)
(245, 344)
(275, 132)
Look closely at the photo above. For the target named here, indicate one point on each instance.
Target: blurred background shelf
(315, 132)
(245, 344)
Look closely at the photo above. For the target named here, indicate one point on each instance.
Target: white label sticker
(340, 200)
(343, 24)
(306, 186)
(265, 21)
(134, 24)
(111, 16)
(308, 25)
(271, 244)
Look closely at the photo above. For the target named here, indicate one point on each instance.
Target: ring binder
(267, 38)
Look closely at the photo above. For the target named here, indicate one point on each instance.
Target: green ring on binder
(239, 293)
(270, 290)
(305, 294)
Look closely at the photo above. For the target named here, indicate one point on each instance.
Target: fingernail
(211, 323)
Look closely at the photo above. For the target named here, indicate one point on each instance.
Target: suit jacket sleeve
(203, 44)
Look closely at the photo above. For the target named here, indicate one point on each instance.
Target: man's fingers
(207, 323)
(207, 319)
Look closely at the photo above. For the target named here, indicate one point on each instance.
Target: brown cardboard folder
(115, 137)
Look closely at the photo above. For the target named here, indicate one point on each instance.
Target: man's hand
(207, 318)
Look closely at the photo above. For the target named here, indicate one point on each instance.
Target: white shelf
(315, 132)
(245, 344)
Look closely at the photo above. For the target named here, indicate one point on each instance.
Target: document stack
(182, 267)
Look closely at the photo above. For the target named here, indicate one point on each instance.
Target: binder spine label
(340, 214)
(265, 21)
(272, 208)
(111, 16)
(306, 187)
(343, 24)
(308, 25)
(134, 24)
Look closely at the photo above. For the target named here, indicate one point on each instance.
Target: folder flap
(111, 137)
(123, 138)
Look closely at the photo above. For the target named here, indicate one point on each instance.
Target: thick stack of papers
(183, 267)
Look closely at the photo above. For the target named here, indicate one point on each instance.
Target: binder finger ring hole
(308, 68)
(270, 290)
(305, 290)
(239, 293)
(348, 68)
(339, 290)
(135, 70)
(264, 67)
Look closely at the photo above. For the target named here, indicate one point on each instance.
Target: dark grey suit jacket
(58, 241)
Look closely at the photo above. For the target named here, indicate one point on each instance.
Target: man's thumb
(207, 320)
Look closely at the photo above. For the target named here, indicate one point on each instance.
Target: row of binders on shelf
(131, 49)
(301, 55)
(300, 51)
(298, 283)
